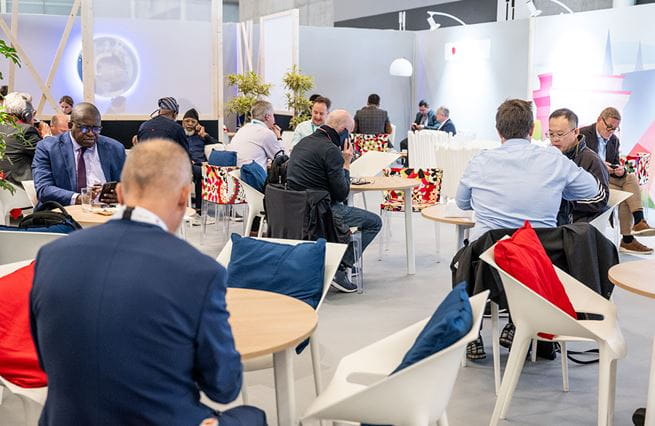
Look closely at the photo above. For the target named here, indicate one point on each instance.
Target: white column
(88, 61)
(217, 63)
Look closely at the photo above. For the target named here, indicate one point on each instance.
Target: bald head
(59, 124)
(85, 110)
(340, 119)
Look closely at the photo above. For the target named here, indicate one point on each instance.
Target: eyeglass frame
(86, 129)
(550, 135)
(610, 128)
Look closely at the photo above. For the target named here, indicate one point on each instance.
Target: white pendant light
(401, 67)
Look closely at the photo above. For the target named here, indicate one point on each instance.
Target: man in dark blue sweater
(163, 124)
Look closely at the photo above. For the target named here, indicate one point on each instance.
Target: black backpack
(45, 219)
(277, 171)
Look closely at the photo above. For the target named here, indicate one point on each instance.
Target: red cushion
(524, 258)
(19, 363)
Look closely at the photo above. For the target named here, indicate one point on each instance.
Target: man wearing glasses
(65, 164)
(601, 138)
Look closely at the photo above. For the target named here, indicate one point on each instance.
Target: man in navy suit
(65, 164)
(445, 123)
(130, 322)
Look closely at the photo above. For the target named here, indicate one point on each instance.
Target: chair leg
(260, 231)
(204, 209)
(316, 364)
(437, 240)
(606, 385)
(512, 373)
(533, 350)
(565, 367)
(244, 390)
(364, 200)
(382, 233)
(495, 345)
(443, 420)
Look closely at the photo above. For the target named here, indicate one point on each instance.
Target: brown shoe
(635, 247)
(642, 228)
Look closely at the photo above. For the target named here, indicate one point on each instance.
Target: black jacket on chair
(578, 249)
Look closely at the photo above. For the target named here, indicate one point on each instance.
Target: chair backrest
(333, 254)
(20, 245)
(30, 190)
(616, 197)
(254, 198)
(372, 163)
(287, 141)
(213, 146)
(426, 194)
(417, 394)
(364, 143)
(392, 135)
(532, 311)
(9, 201)
(219, 187)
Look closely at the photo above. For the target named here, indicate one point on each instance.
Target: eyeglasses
(608, 127)
(555, 137)
(86, 129)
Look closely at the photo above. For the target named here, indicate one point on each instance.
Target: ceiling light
(401, 67)
(433, 23)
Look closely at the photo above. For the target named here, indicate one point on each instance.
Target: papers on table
(371, 163)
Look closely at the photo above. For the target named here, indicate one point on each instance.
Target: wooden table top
(383, 183)
(635, 277)
(87, 219)
(438, 212)
(264, 323)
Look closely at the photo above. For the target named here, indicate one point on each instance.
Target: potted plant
(298, 85)
(250, 87)
(9, 53)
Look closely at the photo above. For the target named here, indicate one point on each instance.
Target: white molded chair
(606, 218)
(30, 190)
(9, 201)
(287, 141)
(363, 391)
(255, 200)
(212, 146)
(533, 314)
(20, 245)
(333, 254)
(392, 136)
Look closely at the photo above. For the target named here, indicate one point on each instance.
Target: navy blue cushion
(222, 158)
(254, 175)
(451, 321)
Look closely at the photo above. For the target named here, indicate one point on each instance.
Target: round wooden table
(388, 183)
(637, 277)
(266, 323)
(438, 213)
(89, 219)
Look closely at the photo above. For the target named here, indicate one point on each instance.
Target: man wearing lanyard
(601, 138)
(258, 140)
(320, 109)
(140, 336)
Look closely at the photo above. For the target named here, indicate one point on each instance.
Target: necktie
(81, 170)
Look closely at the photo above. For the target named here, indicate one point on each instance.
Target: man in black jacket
(600, 137)
(564, 135)
(321, 161)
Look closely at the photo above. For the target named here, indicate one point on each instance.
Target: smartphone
(107, 188)
(614, 166)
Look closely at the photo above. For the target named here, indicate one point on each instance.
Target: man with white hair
(140, 337)
(321, 161)
(21, 138)
(259, 140)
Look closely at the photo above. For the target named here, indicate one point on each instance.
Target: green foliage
(11, 54)
(249, 88)
(297, 86)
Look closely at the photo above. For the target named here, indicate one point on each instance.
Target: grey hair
(445, 111)
(16, 102)
(260, 109)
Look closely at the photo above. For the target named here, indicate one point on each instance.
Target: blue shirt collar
(515, 142)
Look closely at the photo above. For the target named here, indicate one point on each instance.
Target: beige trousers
(627, 183)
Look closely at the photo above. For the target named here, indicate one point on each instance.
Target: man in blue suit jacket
(445, 123)
(425, 117)
(65, 164)
(130, 323)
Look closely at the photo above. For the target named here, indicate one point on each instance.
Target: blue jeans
(368, 223)
(242, 415)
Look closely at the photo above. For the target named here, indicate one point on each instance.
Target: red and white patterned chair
(220, 189)
(363, 143)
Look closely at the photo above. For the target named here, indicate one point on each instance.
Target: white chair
(255, 200)
(9, 201)
(20, 245)
(392, 136)
(30, 190)
(606, 218)
(533, 314)
(213, 146)
(363, 391)
(333, 254)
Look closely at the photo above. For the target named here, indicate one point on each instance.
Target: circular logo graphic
(116, 66)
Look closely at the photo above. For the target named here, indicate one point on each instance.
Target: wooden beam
(27, 62)
(11, 80)
(60, 50)
(217, 62)
(88, 61)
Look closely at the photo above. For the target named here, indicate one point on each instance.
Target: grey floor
(393, 300)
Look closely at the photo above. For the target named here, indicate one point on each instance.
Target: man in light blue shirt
(520, 181)
(320, 110)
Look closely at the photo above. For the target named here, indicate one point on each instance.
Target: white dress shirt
(140, 214)
(94, 173)
(255, 141)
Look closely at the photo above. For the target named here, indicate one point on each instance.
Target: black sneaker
(342, 283)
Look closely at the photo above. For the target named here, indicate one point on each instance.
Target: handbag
(46, 219)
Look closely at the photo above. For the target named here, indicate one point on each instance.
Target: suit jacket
(371, 120)
(55, 174)
(431, 122)
(612, 149)
(130, 324)
(448, 127)
(21, 143)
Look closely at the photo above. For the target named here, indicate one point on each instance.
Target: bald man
(59, 124)
(321, 161)
(140, 336)
(80, 158)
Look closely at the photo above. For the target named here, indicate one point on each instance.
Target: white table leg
(409, 233)
(285, 395)
(650, 404)
(460, 236)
